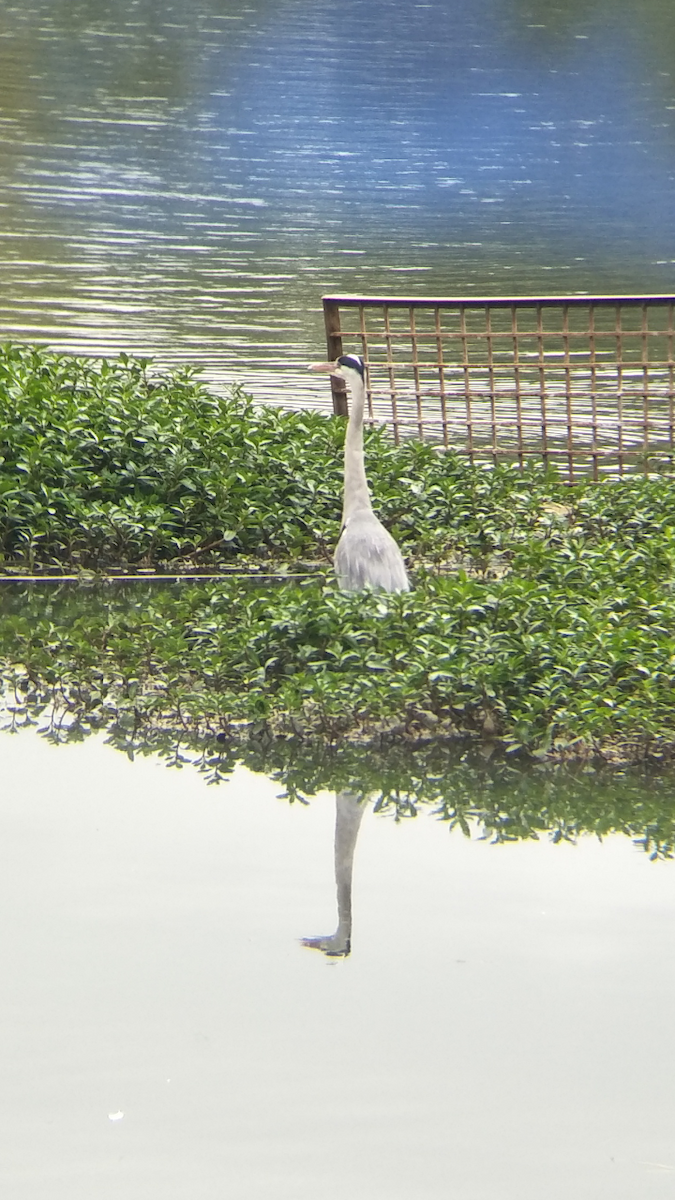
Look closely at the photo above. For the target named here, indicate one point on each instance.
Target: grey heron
(366, 553)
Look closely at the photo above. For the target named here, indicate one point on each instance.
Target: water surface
(500, 1029)
(185, 181)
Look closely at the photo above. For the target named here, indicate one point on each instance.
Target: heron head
(342, 366)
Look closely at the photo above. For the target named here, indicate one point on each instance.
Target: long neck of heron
(356, 491)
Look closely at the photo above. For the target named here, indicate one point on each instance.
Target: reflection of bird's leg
(349, 810)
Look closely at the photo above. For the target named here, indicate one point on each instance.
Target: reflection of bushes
(499, 798)
(502, 799)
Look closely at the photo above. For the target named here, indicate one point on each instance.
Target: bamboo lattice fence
(585, 382)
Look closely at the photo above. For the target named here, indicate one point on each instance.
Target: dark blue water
(185, 181)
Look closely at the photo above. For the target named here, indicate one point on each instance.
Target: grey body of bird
(366, 554)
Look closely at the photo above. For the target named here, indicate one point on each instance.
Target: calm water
(500, 1031)
(186, 180)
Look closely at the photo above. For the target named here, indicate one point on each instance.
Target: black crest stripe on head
(353, 361)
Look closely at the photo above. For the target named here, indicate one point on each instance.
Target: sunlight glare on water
(186, 181)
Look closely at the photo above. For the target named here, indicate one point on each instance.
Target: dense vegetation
(106, 465)
(553, 632)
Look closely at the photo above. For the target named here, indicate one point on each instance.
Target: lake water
(185, 181)
(501, 1028)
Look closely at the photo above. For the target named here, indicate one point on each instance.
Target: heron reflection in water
(366, 554)
(349, 810)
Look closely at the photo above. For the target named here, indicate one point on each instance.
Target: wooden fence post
(331, 316)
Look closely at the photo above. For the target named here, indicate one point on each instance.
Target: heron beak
(330, 368)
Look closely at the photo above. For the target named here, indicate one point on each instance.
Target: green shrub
(554, 631)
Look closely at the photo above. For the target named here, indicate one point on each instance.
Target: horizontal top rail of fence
(585, 382)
